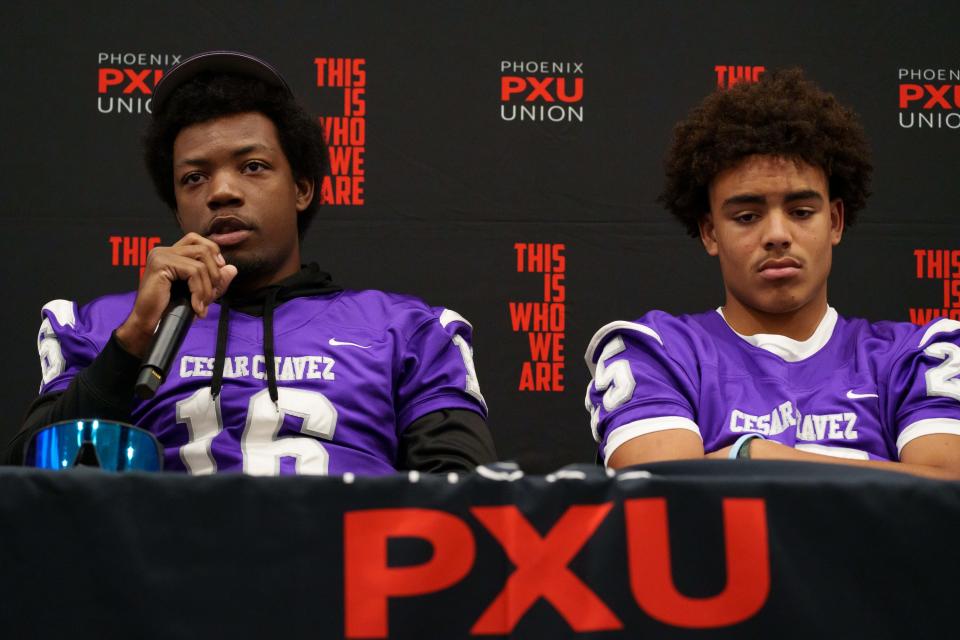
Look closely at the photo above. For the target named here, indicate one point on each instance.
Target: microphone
(166, 341)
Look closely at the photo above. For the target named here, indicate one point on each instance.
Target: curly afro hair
(213, 95)
(783, 115)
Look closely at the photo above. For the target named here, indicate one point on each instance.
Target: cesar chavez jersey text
(853, 389)
(353, 370)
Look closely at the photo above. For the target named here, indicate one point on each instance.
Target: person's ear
(836, 221)
(304, 193)
(708, 234)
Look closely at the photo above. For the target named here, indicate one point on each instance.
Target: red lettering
(553, 288)
(919, 255)
(539, 88)
(342, 190)
(137, 81)
(556, 373)
(541, 569)
(721, 70)
(344, 132)
(541, 376)
(537, 258)
(557, 354)
(520, 248)
(336, 72)
(108, 78)
(115, 242)
(540, 345)
(937, 96)
(359, 73)
(339, 160)
(546, 346)
(131, 250)
(559, 260)
(729, 76)
(747, 561)
(526, 377)
(354, 103)
(510, 85)
(909, 93)
(936, 262)
(577, 95)
(538, 316)
(520, 313)
(321, 64)
(369, 582)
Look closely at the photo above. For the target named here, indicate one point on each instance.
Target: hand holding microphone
(166, 341)
(197, 265)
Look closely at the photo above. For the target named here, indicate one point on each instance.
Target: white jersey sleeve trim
(927, 427)
(638, 428)
(449, 315)
(836, 452)
(943, 325)
(63, 311)
(609, 328)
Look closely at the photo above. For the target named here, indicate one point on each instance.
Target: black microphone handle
(166, 341)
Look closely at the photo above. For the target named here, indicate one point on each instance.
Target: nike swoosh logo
(858, 396)
(336, 343)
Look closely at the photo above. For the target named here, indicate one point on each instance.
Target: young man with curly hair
(282, 371)
(768, 176)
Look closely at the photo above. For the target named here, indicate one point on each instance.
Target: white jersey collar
(787, 348)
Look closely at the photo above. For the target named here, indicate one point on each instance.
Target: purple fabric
(856, 395)
(354, 369)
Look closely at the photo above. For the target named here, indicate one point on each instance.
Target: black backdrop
(450, 186)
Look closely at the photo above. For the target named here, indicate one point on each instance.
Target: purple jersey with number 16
(854, 389)
(354, 369)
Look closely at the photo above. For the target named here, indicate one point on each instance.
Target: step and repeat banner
(500, 159)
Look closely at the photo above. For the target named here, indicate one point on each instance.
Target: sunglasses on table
(104, 444)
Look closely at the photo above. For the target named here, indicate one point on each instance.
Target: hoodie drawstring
(221, 353)
(309, 281)
(268, 306)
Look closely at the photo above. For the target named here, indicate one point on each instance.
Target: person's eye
(254, 166)
(803, 214)
(745, 218)
(194, 177)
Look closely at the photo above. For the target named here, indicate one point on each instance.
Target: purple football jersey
(854, 389)
(353, 370)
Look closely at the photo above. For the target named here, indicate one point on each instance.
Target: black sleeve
(446, 440)
(102, 390)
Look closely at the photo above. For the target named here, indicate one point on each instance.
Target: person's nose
(224, 191)
(777, 231)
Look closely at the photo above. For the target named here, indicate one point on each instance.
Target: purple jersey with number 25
(354, 369)
(853, 389)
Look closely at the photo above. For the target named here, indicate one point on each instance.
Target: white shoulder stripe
(927, 427)
(622, 434)
(449, 315)
(609, 328)
(943, 325)
(63, 311)
(836, 452)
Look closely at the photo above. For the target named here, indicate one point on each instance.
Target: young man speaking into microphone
(282, 371)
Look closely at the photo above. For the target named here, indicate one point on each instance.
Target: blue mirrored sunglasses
(111, 446)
